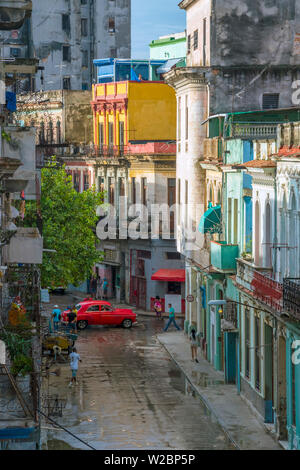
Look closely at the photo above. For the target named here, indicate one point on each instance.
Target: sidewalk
(232, 413)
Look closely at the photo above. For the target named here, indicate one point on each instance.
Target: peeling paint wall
(86, 42)
(255, 32)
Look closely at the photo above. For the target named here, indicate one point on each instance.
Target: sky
(151, 19)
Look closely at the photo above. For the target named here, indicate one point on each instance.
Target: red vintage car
(99, 312)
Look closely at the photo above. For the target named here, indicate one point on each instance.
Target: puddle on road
(115, 369)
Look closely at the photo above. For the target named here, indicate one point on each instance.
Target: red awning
(169, 275)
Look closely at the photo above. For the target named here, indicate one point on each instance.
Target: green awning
(211, 221)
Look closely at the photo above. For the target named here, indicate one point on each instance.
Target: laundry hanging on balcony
(211, 221)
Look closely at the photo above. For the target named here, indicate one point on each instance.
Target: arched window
(50, 133)
(58, 132)
(268, 246)
(42, 133)
(219, 197)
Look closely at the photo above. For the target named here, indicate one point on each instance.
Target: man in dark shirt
(72, 318)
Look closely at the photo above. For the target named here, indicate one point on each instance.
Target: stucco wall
(255, 32)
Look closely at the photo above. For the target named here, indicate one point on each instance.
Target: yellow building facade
(130, 112)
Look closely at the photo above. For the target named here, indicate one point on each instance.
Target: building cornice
(184, 4)
(184, 76)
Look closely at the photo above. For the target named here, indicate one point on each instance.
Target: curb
(203, 399)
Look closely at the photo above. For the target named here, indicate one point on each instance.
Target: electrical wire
(66, 430)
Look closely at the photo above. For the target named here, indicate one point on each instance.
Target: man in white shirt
(74, 359)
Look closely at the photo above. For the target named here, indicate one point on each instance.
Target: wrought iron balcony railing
(291, 296)
(260, 284)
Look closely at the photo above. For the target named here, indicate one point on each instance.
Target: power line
(66, 430)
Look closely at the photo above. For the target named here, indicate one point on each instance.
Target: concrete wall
(255, 32)
(71, 109)
(49, 38)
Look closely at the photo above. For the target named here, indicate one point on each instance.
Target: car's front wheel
(127, 323)
(82, 324)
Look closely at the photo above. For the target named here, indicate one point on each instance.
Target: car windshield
(78, 306)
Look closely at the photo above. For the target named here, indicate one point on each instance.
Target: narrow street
(130, 395)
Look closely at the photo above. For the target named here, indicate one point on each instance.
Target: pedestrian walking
(104, 288)
(194, 345)
(74, 359)
(56, 317)
(158, 308)
(94, 286)
(171, 318)
(98, 290)
(72, 319)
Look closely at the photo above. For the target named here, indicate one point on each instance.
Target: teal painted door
(269, 414)
(230, 357)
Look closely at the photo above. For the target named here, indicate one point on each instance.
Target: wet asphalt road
(130, 395)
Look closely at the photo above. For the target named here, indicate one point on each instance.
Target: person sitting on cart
(56, 317)
(72, 319)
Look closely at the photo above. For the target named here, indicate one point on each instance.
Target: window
(186, 203)
(83, 2)
(85, 86)
(172, 201)
(121, 187)
(133, 187)
(106, 308)
(85, 59)
(144, 254)
(111, 190)
(101, 134)
(111, 134)
(15, 52)
(84, 27)
(271, 101)
(76, 181)
(94, 308)
(50, 133)
(86, 182)
(186, 119)
(111, 25)
(179, 119)
(67, 83)
(144, 191)
(58, 132)
(174, 288)
(189, 44)
(173, 255)
(121, 135)
(65, 20)
(196, 39)
(113, 52)
(204, 42)
(66, 53)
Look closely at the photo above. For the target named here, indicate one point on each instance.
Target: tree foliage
(69, 222)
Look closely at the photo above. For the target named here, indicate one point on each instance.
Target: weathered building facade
(134, 131)
(84, 31)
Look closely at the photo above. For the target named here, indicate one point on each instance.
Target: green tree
(69, 222)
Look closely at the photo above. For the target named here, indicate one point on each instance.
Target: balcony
(213, 149)
(260, 284)
(254, 131)
(291, 296)
(223, 256)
